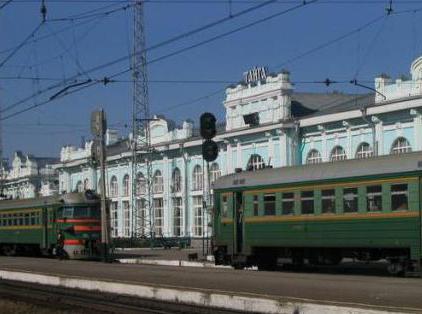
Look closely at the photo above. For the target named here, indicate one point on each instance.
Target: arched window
(79, 187)
(141, 186)
(401, 145)
(364, 151)
(338, 153)
(176, 178)
(255, 162)
(157, 185)
(197, 178)
(314, 157)
(86, 184)
(215, 172)
(126, 185)
(114, 187)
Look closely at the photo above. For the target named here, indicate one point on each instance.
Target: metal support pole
(104, 216)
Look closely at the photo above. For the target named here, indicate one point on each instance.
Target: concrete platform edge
(178, 263)
(199, 298)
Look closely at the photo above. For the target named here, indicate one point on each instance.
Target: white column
(283, 149)
(379, 135)
(271, 160)
(239, 155)
(229, 159)
(417, 129)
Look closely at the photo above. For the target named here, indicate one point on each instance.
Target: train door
(238, 218)
(44, 224)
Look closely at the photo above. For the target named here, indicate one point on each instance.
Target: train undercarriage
(269, 258)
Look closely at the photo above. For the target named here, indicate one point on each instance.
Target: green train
(364, 209)
(32, 226)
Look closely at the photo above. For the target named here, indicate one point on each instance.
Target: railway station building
(268, 124)
(29, 176)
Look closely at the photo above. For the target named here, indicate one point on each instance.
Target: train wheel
(396, 268)
(9, 250)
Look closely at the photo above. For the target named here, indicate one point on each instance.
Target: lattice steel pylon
(142, 211)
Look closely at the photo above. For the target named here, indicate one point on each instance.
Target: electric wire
(91, 18)
(18, 47)
(156, 46)
(5, 3)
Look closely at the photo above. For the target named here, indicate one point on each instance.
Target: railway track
(82, 301)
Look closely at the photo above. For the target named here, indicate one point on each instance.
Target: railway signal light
(209, 150)
(207, 125)
(208, 131)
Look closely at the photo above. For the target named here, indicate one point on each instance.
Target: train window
(399, 197)
(20, 219)
(307, 201)
(374, 198)
(59, 212)
(269, 204)
(255, 205)
(350, 200)
(328, 201)
(225, 206)
(68, 212)
(288, 203)
(33, 217)
(26, 219)
(80, 212)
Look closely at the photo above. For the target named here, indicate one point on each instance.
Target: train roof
(354, 168)
(68, 198)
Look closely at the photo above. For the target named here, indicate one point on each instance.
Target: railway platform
(247, 291)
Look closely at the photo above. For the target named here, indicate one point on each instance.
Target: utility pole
(98, 129)
(142, 214)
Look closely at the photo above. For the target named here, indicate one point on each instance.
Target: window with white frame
(177, 216)
(79, 187)
(126, 219)
(197, 178)
(99, 186)
(401, 145)
(255, 162)
(198, 216)
(141, 216)
(158, 185)
(338, 153)
(140, 184)
(176, 178)
(114, 187)
(126, 185)
(158, 216)
(215, 172)
(314, 157)
(364, 151)
(113, 219)
(86, 184)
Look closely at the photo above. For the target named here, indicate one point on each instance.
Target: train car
(319, 214)
(32, 226)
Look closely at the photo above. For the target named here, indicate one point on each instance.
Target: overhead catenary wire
(85, 20)
(72, 79)
(2, 5)
(360, 28)
(18, 47)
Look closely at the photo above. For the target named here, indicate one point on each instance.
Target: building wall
(279, 139)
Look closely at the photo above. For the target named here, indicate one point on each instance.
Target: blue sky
(388, 46)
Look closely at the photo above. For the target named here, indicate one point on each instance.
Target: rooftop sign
(255, 74)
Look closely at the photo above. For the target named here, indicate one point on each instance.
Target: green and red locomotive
(70, 222)
(365, 209)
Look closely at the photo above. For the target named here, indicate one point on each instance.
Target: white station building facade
(267, 124)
